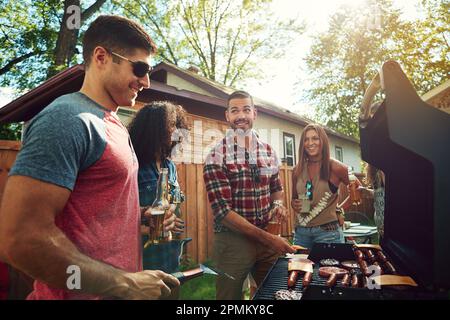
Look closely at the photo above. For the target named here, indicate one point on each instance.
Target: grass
(201, 288)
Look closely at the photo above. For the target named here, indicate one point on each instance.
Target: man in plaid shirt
(241, 177)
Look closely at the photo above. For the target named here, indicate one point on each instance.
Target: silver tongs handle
(375, 85)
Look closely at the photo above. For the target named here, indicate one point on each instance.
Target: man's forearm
(237, 223)
(46, 256)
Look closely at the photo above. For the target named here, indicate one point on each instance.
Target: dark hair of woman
(303, 156)
(151, 130)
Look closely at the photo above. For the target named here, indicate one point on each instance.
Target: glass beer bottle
(159, 209)
(355, 195)
(177, 199)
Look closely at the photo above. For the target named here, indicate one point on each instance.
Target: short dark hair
(118, 34)
(240, 94)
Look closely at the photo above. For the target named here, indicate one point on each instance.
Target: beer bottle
(355, 195)
(159, 210)
(177, 199)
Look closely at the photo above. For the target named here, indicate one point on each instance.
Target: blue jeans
(306, 237)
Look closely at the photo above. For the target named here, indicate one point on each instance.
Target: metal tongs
(183, 276)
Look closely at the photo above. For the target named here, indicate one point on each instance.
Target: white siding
(271, 131)
(350, 151)
(181, 84)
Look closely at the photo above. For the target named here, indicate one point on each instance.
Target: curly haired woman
(152, 133)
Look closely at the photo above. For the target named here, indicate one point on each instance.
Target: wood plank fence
(196, 210)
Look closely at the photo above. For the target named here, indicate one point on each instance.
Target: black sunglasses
(309, 189)
(140, 68)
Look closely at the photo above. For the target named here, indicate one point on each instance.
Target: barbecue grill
(410, 141)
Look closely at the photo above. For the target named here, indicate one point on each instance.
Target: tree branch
(86, 14)
(230, 57)
(194, 40)
(17, 60)
(241, 66)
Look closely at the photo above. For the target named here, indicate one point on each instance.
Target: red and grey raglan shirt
(241, 180)
(77, 144)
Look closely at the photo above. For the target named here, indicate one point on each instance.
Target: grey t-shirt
(76, 144)
(66, 137)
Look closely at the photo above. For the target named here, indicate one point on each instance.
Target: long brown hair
(303, 157)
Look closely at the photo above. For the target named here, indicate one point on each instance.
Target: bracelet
(277, 203)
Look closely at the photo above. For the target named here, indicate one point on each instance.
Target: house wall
(439, 97)
(351, 152)
(271, 131)
(442, 101)
(175, 81)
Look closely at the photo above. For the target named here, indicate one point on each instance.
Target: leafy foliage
(10, 131)
(28, 31)
(343, 60)
(224, 39)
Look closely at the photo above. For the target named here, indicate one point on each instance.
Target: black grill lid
(410, 141)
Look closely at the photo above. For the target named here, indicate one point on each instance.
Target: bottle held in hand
(306, 203)
(274, 225)
(159, 210)
(355, 194)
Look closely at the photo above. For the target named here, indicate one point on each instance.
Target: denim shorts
(307, 236)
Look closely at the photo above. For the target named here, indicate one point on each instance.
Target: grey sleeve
(59, 144)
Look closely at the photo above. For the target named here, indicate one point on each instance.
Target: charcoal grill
(409, 140)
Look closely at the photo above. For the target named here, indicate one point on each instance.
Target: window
(289, 148)
(339, 154)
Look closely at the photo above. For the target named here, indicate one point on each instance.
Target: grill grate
(277, 279)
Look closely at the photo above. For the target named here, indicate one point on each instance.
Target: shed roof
(70, 80)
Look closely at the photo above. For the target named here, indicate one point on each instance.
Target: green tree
(35, 42)
(343, 60)
(68, 37)
(10, 131)
(224, 39)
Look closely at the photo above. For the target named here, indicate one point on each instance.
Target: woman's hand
(296, 205)
(169, 220)
(179, 226)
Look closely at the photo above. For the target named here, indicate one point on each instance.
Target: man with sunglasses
(70, 213)
(241, 178)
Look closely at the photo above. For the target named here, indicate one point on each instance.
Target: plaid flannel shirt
(230, 177)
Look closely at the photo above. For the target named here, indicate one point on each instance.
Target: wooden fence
(196, 210)
(8, 153)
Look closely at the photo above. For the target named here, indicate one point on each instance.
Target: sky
(5, 95)
(278, 85)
